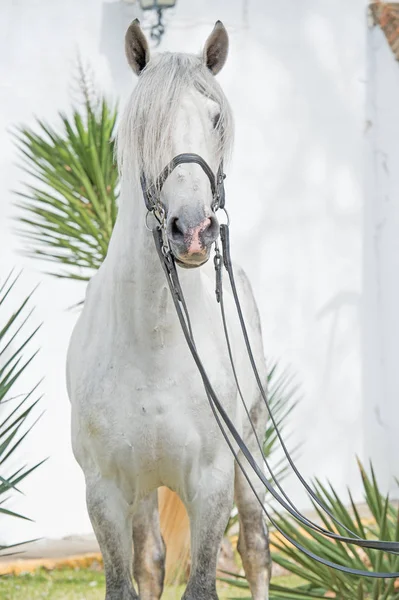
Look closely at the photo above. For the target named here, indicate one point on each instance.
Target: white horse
(140, 415)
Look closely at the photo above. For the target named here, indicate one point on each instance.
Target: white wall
(381, 246)
(295, 79)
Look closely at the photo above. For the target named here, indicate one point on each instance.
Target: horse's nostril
(176, 230)
(207, 224)
(210, 231)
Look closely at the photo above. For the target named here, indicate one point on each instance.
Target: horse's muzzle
(191, 241)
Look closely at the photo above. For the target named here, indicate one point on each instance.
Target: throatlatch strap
(169, 268)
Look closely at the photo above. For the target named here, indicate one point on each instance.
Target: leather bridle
(152, 192)
(154, 206)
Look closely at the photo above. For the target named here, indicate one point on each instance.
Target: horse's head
(177, 107)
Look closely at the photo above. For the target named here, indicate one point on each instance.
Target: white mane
(145, 131)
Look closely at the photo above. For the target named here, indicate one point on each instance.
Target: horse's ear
(216, 48)
(136, 47)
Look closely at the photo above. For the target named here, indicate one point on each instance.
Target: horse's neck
(131, 250)
(134, 266)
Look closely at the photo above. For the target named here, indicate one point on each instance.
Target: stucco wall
(381, 249)
(296, 81)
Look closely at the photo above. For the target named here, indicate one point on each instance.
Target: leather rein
(222, 261)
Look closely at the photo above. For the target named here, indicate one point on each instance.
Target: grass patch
(65, 584)
(75, 584)
(83, 584)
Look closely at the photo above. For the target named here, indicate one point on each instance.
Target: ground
(80, 584)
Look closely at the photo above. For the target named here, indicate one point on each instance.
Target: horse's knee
(253, 542)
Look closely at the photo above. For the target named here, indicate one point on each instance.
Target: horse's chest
(150, 425)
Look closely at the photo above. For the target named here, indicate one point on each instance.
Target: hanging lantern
(159, 6)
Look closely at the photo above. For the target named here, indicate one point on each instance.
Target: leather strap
(169, 268)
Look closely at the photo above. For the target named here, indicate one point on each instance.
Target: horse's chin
(187, 264)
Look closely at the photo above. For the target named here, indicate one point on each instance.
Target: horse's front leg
(111, 517)
(209, 513)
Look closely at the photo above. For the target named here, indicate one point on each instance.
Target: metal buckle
(227, 216)
(149, 212)
(217, 207)
(159, 213)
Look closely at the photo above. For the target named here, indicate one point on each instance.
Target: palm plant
(69, 208)
(15, 412)
(319, 581)
(283, 397)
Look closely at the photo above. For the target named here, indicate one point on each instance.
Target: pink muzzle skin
(193, 240)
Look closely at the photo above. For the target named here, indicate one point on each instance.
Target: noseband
(154, 206)
(152, 193)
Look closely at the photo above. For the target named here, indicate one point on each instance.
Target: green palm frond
(15, 411)
(381, 522)
(69, 209)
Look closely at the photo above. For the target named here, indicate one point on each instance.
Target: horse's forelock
(145, 131)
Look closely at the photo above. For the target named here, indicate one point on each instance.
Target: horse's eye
(216, 119)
